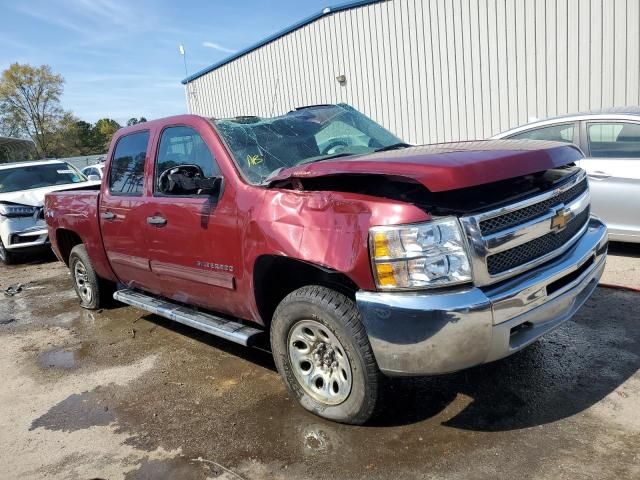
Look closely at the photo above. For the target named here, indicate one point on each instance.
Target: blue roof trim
(281, 33)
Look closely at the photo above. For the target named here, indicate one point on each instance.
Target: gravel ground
(121, 394)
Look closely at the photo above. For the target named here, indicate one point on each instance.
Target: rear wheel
(6, 257)
(93, 291)
(322, 351)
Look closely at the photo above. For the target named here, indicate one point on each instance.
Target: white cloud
(218, 47)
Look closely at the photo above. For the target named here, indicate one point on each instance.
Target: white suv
(23, 186)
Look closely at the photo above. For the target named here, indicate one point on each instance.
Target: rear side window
(614, 140)
(126, 173)
(556, 133)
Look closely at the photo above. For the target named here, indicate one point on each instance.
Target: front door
(613, 166)
(122, 212)
(192, 237)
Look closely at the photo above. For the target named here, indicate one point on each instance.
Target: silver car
(610, 140)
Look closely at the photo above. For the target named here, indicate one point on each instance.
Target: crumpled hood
(35, 197)
(448, 166)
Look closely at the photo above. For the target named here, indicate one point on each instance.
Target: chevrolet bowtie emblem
(560, 219)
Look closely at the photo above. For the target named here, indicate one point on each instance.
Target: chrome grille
(513, 239)
(522, 215)
(526, 252)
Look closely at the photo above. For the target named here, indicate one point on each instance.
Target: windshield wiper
(327, 157)
(393, 146)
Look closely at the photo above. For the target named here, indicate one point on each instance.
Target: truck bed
(74, 213)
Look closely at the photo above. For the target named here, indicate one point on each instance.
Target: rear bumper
(441, 332)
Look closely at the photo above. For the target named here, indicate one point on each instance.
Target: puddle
(58, 359)
(177, 468)
(76, 412)
(64, 358)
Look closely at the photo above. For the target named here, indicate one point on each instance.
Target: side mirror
(210, 186)
(94, 178)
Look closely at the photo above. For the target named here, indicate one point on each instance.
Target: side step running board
(221, 327)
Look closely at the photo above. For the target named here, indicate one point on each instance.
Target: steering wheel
(334, 147)
(167, 184)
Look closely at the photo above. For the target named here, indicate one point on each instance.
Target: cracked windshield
(262, 147)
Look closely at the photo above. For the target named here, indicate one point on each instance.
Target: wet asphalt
(119, 393)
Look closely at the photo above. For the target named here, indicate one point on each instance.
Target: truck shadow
(564, 373)
(626, 249)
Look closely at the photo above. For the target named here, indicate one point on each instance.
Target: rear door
(192, 237)
(122, 212)
(612, 150)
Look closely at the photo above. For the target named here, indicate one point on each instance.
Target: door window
(184, 146)
(614, 140)
(126, 173)
(556, 133)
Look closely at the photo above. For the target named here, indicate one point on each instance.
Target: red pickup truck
(352, 253)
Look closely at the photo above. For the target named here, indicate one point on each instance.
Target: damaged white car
(23, 186)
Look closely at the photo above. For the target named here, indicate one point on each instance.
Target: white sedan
(23, 186)
(610, 141)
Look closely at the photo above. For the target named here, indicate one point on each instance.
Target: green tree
(135, 121)
(71, 138)
(102, 132)
(84, 137)
(30, 104)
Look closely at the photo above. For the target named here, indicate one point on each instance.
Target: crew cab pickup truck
(352, 253)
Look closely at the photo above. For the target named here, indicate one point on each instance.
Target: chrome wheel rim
(82, 281)
(319, 362)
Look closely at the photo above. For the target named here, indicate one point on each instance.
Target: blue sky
(120, 58)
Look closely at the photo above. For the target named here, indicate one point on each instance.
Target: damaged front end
(454, 202)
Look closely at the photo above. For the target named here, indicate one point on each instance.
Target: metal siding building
(438, 70)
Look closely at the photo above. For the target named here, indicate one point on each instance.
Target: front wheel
(322, 352)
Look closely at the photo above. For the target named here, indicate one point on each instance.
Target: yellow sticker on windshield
(254, 160)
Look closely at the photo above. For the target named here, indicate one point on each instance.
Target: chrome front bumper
(440, 332)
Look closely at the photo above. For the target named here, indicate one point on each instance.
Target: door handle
(107, 215)
(598, 175)
(157, 221)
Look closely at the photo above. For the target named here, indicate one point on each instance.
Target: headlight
(10, 211)
(425, 255)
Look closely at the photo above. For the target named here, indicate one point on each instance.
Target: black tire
(340, 316)
(6, 257)
(100, 290)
